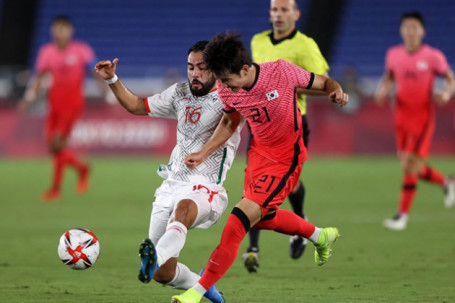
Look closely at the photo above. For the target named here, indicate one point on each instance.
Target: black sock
(297, 199)
(254, 240)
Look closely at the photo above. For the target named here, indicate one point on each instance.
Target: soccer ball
(78, 248)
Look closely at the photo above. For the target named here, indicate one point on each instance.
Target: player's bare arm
(131, 102)
(331, 88)
(384, 88)
(31, 92)
(227, 126)
(444, 96)
(313, 92)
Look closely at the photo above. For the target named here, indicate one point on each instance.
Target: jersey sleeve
(160, 105)
(296, 75)
(313, 60)
(441, 66)
(89, 55)
(41, 65)
(388, 61)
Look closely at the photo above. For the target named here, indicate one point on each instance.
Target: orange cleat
(50, 196)
(82, 183)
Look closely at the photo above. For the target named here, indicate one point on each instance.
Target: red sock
(431, 175)
(287, 222)
(71, 159)
(407, 193)
(224, 255)
(59, 165)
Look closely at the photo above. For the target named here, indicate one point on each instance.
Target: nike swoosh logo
(235, 103)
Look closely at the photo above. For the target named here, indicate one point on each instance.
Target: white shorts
(211, 200)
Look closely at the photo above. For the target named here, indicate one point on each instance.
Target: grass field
(369, 264)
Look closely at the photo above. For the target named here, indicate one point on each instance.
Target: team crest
(272, 95)
(422, 65)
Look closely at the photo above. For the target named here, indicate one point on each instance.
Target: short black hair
(226, 53)
(413, 15)
(198, 46)
(62, 19)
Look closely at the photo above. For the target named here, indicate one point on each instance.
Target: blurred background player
(286, 42)
(66, 60)
(264, 94)
(187, 198)
(412, 66)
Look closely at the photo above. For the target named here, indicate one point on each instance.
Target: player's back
(271, 110)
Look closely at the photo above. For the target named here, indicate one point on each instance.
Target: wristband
(112, 80)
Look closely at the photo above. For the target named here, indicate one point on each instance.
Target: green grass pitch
(369, 263)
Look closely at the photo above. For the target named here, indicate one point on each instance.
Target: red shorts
(268, 182)
(415, 142)
(61, 123)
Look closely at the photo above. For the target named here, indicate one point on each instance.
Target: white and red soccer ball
(78, 248)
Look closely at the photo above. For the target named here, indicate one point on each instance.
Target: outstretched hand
(106, 68)
(339, 97)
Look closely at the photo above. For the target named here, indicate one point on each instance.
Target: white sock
(184, 278)
(171, 243)
(200, 289)
(315, 236)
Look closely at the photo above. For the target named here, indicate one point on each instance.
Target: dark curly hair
(226, 53)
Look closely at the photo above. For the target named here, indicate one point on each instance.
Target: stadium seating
(151, 37)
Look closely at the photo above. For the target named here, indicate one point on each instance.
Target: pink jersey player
(66, 61)
(271, 110)
(414, 74)
(412, 67)
(68, 68)
(265, 95)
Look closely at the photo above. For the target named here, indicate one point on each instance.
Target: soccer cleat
(449, 191)
(149, 264)
(82, 183)
(50, 196)
(251, 261)
(398, 222)
(323, 246)
(189, 296)
(213, 294)
(297, 246)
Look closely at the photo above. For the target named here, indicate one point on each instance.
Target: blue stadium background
(150, 36)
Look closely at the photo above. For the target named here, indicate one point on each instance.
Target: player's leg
(411, 165)
(161, 212)
(83, 169)
(56, 142)
(432, 175)
(251, 256)
(244, 214)
(289, 223)
(297, 243)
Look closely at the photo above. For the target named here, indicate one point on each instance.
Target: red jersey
(67, 67)
(270, 107)
(414, 76)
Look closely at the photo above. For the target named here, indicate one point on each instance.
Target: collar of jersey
(290, 36)
(255, 79)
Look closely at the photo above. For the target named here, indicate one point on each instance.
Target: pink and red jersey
(67, 67)
(414, 76)
(271, 110)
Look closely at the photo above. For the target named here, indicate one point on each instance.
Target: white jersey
(197, 119)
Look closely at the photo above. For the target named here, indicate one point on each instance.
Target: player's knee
(186, 212)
